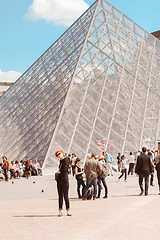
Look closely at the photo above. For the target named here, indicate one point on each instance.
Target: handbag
(103, 171)
(56, 176)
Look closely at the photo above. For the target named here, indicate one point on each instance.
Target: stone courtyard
(29, 211)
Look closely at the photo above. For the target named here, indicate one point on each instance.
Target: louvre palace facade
(96, 88)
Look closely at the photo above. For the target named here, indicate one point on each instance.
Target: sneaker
(69, 214)
(94, 198)
(126, 180)
(60, 214)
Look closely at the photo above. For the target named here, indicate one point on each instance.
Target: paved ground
(28, 213)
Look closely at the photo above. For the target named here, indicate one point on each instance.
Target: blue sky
(29, 27)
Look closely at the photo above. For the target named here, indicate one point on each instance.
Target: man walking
(157, 161)
(118, 161)
(143, 169)
(138, 153)
(108, 160)
(131, 163)
(123, 166)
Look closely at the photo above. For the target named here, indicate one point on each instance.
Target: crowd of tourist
(98, 166)
(92, 178)
(17, 169)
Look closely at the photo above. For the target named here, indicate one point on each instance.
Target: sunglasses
(58, 154)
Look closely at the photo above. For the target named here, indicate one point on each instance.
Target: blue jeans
(105, 187)
(91, 181)
(6, 174)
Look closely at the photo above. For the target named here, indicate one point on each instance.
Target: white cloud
(60, 12)
(10, 76)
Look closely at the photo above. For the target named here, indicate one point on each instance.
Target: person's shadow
(35, 216)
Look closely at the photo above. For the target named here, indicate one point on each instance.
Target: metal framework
(94, 89)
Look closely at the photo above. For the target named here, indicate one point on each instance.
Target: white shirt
(137, 154)
(36, 165)
(131, 159)
(124, 164)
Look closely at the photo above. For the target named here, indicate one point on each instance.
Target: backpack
(103, 171)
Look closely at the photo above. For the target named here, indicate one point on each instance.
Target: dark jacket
(143, 165)
(157, 162)
(63, 168)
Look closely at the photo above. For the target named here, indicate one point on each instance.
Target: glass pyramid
(94, 89)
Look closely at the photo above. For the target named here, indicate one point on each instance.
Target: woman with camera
(62, 182)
